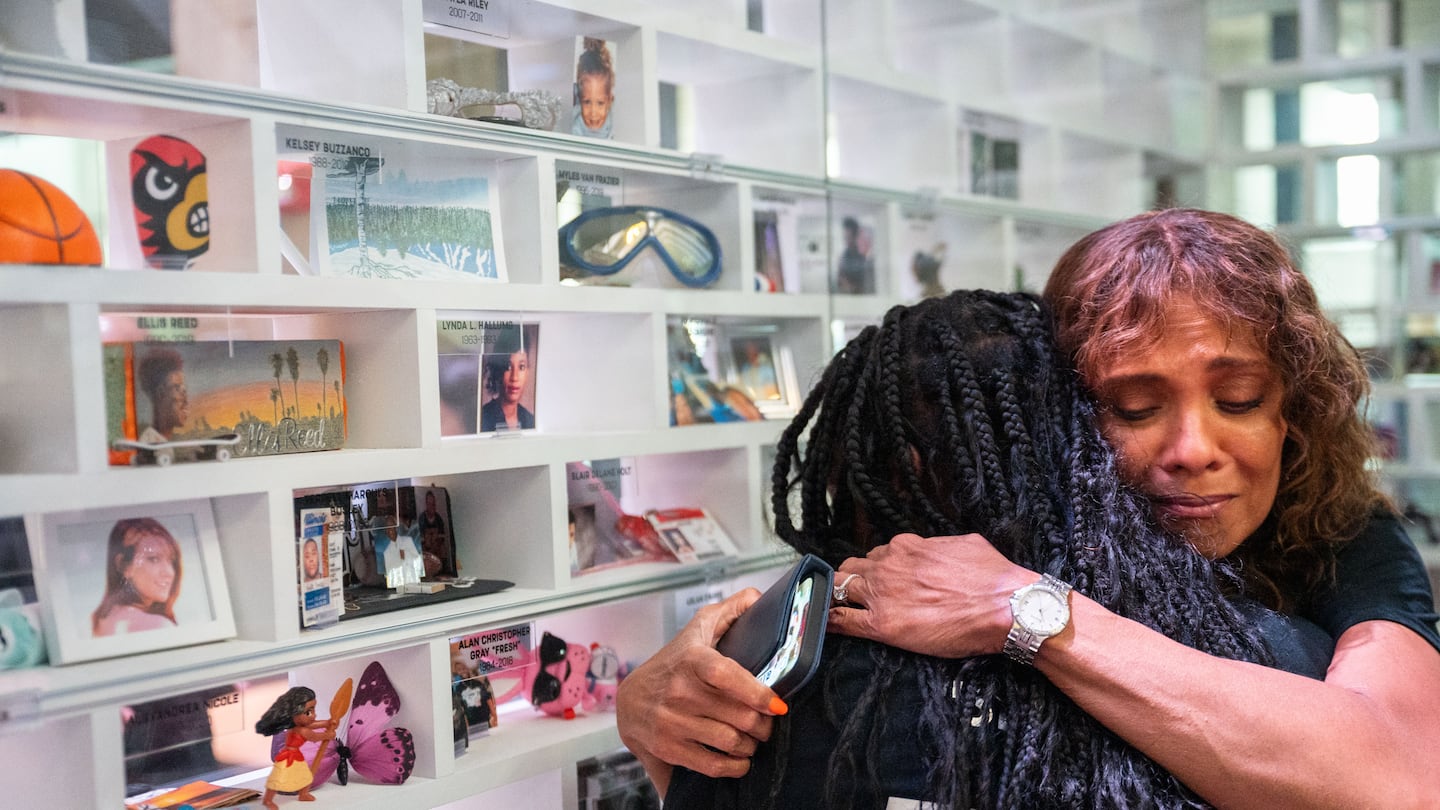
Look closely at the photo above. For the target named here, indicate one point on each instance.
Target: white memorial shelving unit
(981, 133)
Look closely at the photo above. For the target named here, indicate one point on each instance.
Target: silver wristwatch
(1040, 610)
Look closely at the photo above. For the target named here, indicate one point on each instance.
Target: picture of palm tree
(292, 362)
(322, 359)
(390, 208)
(228, 384)
(277, 362)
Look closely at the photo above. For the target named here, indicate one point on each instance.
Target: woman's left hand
(942, 596)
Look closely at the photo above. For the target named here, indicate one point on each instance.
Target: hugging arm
(1238, 734)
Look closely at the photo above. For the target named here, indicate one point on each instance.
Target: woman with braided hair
(957, 415)
(1231, 402)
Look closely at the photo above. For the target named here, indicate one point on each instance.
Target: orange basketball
(40, 224)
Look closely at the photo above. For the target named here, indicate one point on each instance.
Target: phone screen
(785, 657)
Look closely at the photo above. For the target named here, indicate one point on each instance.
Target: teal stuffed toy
(21, 644)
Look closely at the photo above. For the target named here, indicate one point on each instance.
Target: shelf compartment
(565, 378)
(1351, 274)
(1037, 246)
(1352, 109)
(1147, 105)
(942, 251)
(37, 747)
(768, 362)
(867, 146)
(503, 525)
(1414, 184)
(539, 54)
(379, 349)
(745, 106)
(859, 239)
(1096, 176)
(956, 44)
(600, 491)
(498, 521)
(371, 205)
(713, 203)
(207, 734)
(46, 399)
(789, 240)
(412, 671)
(90, 157)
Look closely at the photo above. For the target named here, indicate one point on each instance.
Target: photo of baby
(594, 88)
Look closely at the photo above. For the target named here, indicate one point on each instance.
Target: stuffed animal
(552, 676)
(558, 682)
(21, 644)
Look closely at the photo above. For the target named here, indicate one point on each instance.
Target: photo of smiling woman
(142, 579)
(508, 381)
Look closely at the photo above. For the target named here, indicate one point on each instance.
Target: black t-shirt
(899, 768)
(1379, 575)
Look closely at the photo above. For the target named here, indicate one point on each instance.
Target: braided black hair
(958, 415)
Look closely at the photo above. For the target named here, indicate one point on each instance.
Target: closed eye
(1241, 407)
(1132, 414)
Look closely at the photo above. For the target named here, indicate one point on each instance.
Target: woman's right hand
(943, 596)
(691, 706)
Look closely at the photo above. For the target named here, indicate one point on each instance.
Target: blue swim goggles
(603, 240)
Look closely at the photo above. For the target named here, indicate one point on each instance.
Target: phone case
(759, 632)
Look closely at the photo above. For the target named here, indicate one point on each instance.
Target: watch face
(1042, 612)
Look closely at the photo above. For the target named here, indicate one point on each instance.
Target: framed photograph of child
(594, 88)
(129, 579)
(762, 368)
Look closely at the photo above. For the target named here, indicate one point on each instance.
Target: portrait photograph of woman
(132, 579)
(507, 385)
(143, 573)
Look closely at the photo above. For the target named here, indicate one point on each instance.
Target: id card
(789, 652)
(778, 638)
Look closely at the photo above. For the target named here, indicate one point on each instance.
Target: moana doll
(294, 714)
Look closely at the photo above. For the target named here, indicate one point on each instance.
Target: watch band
(1021, 644)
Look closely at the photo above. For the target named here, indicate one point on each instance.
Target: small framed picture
(763, 368)
(130, 579)
(487, 376)
(425, 514)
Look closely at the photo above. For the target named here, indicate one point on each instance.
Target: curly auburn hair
(957, 415)
(1110, 293)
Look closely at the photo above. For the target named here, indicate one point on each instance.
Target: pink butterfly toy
(381, 754)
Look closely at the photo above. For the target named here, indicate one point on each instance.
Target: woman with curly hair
(1232, 403)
